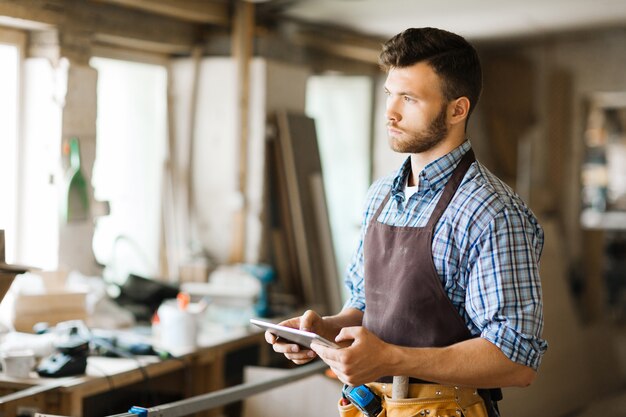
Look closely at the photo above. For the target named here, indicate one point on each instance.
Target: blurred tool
(143, 296)
(70, 358)
(121, 343)
(265, 274)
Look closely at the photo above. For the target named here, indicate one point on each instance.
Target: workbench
(113, 383)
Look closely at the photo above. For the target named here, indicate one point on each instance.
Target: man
(444, 284)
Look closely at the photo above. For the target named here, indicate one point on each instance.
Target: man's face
(416, 109)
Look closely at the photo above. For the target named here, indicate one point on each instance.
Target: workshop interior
(172, 169)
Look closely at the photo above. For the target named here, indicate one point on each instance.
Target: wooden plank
(191, 208)
(283, 238)
(294, 192)
(559, 124)
(329, 265)
(243, 36)
(301, 160)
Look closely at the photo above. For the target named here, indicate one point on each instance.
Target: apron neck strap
(453, 184)
(448, 192)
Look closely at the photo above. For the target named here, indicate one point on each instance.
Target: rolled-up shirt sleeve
(503, 296)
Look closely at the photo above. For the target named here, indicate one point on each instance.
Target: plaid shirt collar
(433, 177)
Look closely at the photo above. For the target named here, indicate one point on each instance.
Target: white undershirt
(409, 191)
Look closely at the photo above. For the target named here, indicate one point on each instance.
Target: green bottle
(76, 204)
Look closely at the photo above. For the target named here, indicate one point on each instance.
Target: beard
(425, 139)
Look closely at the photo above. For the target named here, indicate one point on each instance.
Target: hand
(309, 321)
(365, 360)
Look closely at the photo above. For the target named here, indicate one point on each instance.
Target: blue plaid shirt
(486, 249)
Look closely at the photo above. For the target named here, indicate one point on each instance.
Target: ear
(459, 110)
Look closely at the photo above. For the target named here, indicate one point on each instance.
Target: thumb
(348, 333)
(309, 320)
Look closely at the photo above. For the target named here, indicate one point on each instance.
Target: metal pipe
(228, 395)
(34, 390)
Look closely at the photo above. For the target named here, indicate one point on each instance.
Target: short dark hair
(453, 58)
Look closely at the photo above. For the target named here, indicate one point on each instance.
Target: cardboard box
(54, 305)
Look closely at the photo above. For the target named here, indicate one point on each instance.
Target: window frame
(17, 38)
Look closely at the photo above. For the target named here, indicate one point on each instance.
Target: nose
(391, 112)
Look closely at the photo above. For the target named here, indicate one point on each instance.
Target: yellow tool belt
(428, 400)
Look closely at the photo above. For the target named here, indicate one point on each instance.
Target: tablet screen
(301, 337)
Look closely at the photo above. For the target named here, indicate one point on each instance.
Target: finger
(293, 323)
(282, 347)
(301, 356)
(348, 333)
(329, 355)
(302, 362)
(270, 338)
(308, 319)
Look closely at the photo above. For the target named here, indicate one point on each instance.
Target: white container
(178, 328)
(18, 363)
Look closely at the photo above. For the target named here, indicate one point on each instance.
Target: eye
(408, 99)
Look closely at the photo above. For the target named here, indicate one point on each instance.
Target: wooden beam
(200, 11)
(140, 45)
(559, 99)
(359, 49)
(509, 111)
(105, 21)
(242, 44)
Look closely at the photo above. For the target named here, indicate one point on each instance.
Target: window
(9, 82)
(603, 178)
(130, 154)
(12, 44)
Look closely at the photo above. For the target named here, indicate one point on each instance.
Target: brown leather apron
(406, 304)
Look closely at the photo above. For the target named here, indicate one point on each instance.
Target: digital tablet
(301, 337)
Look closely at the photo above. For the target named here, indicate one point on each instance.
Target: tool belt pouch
(351, 411)
(433, 401)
